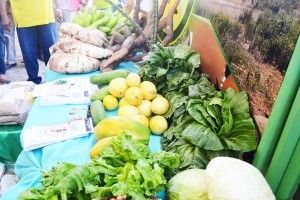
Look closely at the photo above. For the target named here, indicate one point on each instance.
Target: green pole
(279, 113)
(291, 178)
(286, 146)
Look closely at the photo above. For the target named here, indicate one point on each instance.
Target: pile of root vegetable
(83, 47)
(78, 50)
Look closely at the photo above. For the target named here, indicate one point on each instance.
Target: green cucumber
(106, 77)
(97, 111)
(100, 94)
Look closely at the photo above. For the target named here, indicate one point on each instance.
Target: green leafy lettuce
(216, 125)
(127, 168)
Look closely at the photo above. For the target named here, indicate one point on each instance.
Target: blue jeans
(29, 38)
(10, 43)
(2, 49)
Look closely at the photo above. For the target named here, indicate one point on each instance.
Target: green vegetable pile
(205, 123)
(127, 168)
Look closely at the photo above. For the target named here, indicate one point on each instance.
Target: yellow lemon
(158, 124)
(133, 80)
(158, 95)
(110, 102)
(128, 110)
(141, 118)
(123, 102)
(145, 108)
(117, 87)
(159, 105)
(134, 96)
(149, 90)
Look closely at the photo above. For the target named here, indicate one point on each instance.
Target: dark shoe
(4, 79)
(40, 56)
(8, 66)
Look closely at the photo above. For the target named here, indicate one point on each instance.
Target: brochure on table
(77, 90)
(40, 136)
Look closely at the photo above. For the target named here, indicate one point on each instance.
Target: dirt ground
(227, 7)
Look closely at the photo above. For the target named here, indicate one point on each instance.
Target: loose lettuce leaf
(33, 194)
(153, 177)
(129, 149)
(96, 191)
(129, 181)
(165, 160)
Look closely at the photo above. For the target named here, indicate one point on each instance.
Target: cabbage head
(187, 185)
(233, 179)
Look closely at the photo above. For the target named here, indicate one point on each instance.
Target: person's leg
(28, 43)
(72, 14)
(2, 49)
(46, 37)
(3, 77)
(10, 44)
(66, 15)
(66, 18)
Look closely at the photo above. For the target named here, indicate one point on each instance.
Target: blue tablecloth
(30, 163)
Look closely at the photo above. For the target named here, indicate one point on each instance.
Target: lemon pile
(138, 100)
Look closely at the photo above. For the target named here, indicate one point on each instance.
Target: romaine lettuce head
(187, 185)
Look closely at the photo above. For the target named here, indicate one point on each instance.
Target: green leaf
(202, 136)
(198, 116)
(216, 101)
(242, 137)
(160, 72)
(193, 59)
(96, 191)
(153, 178)
(215, 112)
(129, 149)
(181, 51)
(175, 100)
(226, 128)
(33, 194)
(186, 152)
(165, 160)
(110, 180)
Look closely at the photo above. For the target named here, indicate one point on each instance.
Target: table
(10, 146)
(76, 151)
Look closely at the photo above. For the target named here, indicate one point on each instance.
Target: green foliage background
(271, 36)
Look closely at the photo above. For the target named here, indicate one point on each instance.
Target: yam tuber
(71, 45)
(88, 35)
(70, 28)
(114, 48)
(68, 63)
(118, 55)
